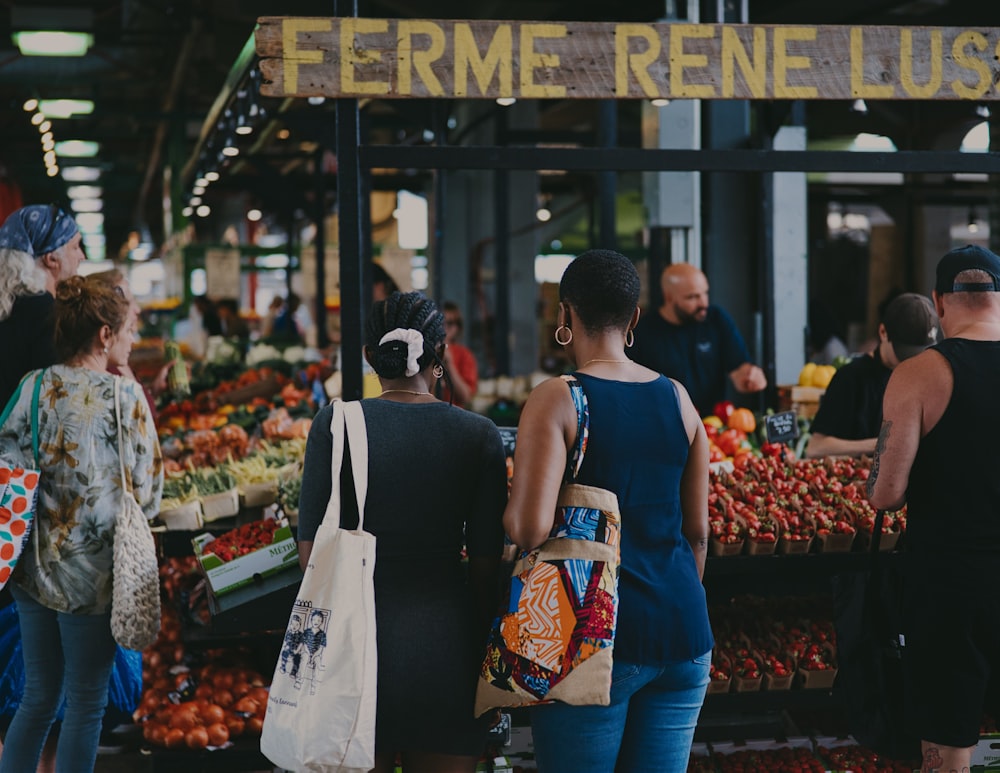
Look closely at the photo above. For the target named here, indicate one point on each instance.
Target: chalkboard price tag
(781, 427)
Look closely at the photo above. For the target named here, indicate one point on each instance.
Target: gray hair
(20, 275)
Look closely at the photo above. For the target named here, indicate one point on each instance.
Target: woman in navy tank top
(648, 445)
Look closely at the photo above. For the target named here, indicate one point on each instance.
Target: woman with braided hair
(436, 483)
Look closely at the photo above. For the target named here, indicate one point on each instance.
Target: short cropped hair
(603, 287)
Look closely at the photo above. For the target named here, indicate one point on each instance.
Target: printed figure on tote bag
(646, 445)
(435, 479)
(291, 650)
(65, 577)
(937, 453)
(314, 644)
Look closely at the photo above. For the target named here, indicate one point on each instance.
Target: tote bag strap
(575, 460)
(121, 439)
(357, 436)
(348, 423)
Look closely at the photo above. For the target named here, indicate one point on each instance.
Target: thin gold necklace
(601, 359)
(404, 392)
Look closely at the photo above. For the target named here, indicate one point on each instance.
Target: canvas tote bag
(554, 634)
(135, 583)
(321, 710)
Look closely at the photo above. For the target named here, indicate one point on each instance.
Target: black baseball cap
(966, 258)
(911, 324)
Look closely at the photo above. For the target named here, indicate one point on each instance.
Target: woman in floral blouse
(62, 583)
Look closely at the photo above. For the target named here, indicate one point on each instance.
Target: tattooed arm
(917, 394)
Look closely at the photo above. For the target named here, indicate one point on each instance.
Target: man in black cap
(938, 452)
(850, 412)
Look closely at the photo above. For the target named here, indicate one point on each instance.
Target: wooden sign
(781, 427)
(422, 58)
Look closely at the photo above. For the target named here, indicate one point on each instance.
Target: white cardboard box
(227, 576)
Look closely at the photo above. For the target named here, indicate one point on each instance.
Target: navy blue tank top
(638, 448)
(953, 495)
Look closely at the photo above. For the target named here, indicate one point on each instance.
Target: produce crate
(266, 388)
(259, 494)
(187, 517)
(888, 542)
(223, 505)
(794, 547)
(226, 576)
(721, 661)
(717, 548)
(818, 679)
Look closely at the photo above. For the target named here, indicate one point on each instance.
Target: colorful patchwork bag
(18, 490)
(554, 634)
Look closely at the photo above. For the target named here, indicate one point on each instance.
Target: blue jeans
(648, 727)
(62, 652)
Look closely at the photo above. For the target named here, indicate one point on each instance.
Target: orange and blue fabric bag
(553, 637)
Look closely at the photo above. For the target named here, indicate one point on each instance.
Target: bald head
(685, 294)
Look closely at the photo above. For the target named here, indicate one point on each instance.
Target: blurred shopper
(648, 446)
(694, 342)
(463, 370)
(850, 412)
(937, 453)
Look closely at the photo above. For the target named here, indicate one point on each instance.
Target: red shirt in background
(464, 362)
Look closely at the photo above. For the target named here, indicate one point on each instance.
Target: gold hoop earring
(437, 371)
(568, 340)
(629, 338)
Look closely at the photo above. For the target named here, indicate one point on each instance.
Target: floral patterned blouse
(66, 564)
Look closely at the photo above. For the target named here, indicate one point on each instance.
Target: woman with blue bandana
(39, 246)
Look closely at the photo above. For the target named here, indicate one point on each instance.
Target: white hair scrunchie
(414, 346)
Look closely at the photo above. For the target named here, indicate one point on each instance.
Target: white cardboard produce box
(226, 576)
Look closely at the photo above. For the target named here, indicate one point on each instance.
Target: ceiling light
(231, 151)
(284, 134)
(244, 130)
(47, 137)
(859, 106)
(544, 214)
(64, 108)
(48, 144)
(51, 43)
(52, 171)
(659, 102)
(45, 126)
(90, 222)
(983, 111)
(84, 191)
(506, 101)
(187, 211)
(87, 205)
(81, 174)
(201, 182)
(30, 105)
(37, 118)
(317, 100)
(195, 201)
(204, 210)
(211, 176)
(198, 190)
(50, 158)
(77, 148)
(254, 215)
(973, 221)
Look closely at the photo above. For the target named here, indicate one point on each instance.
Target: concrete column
(789, 260)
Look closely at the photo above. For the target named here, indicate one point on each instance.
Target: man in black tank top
(937, 452)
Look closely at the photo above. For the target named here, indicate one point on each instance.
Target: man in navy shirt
(695, 343)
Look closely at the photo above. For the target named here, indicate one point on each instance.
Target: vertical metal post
(501, 226)
(348, 140)
(608, 180)
(319, 309)
(660, 256)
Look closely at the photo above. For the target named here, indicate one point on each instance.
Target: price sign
(509, 437)
(781, 427)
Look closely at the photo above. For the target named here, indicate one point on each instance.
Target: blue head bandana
(37, 229)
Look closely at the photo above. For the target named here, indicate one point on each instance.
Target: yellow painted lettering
(910, 86)
(783, 62)
(498, 60)
(637, 63)
(679, 60)
(733, 53)
(420, 59)
(292, 55)
(860, 89)
(352, 55)
(531, 59)
(963, 59)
